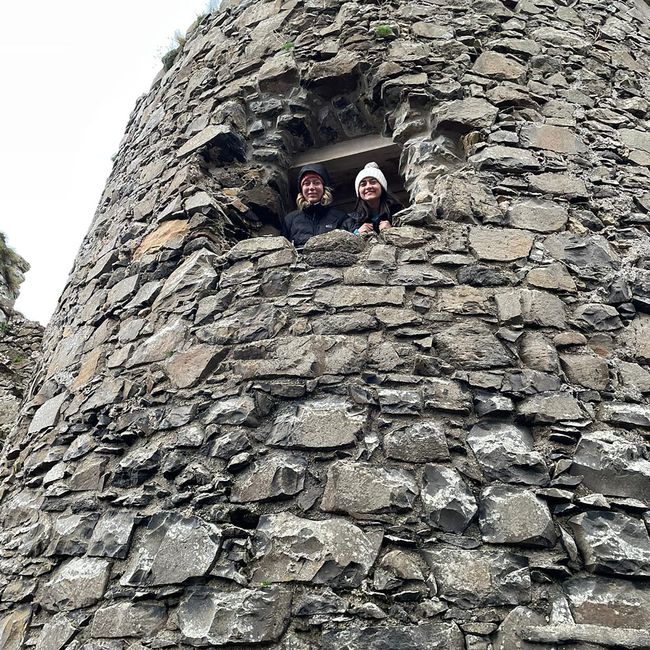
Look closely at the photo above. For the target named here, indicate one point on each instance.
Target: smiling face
(370, 191)
(312, 188)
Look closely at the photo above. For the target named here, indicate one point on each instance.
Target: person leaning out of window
(315, 214)
(375, 204)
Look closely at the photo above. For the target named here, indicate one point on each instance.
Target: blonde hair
(326, 199)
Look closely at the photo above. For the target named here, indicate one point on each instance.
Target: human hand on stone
(384, 225)
(365, 229)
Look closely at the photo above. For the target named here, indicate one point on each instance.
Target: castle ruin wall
(435, 438)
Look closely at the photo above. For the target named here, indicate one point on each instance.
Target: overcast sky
(71, 71)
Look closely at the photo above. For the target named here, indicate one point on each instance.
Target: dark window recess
(345, 159)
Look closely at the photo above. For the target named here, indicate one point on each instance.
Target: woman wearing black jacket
(315, 214)
(375, 204)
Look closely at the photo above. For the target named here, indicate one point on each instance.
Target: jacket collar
(315, 210)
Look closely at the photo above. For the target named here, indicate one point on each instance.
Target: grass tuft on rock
(384, 31)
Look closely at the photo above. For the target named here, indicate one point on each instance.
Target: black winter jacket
(298, 226)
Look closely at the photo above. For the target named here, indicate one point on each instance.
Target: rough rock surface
(334, 551)
(447, 500)
(613, 543)
(431, 636)
(252, 616)
(612, 464)
(476, 578)
(505, 452)
(513, 515)
(436, 437)
(20, 340)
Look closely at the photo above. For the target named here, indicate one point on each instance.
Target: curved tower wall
(432, 439)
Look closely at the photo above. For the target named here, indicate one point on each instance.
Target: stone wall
(20, 344)
(12, 273)
(20, 339)
(432, 439)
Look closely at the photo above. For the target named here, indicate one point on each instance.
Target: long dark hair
(388, 206)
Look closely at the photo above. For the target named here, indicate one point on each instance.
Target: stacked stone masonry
(20, 344)
(20, 339)
(432, 439)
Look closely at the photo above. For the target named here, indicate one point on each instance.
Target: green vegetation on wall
(179, 38)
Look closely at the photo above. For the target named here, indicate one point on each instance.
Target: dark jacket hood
(315, 168)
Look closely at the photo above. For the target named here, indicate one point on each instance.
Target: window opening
(345, 159)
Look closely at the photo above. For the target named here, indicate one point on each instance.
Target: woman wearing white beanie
(375, 204)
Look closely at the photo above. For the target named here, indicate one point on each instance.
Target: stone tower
(433, 439)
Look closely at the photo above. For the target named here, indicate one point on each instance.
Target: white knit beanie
(371, 170)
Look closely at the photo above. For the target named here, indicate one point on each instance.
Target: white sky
(71, 71)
